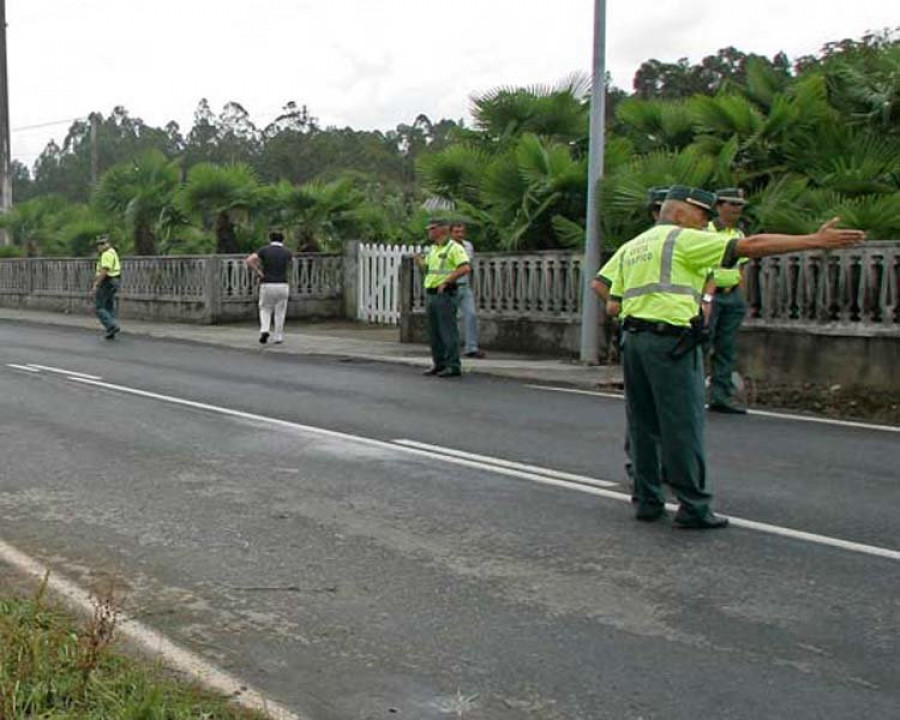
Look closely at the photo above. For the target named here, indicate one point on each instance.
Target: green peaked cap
(693, 196)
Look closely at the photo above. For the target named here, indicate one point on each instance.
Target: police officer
(729, 307)
(661, 277)
(106, 286)
(656, 196)
(444, 264)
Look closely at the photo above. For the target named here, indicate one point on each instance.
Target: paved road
(349, 577)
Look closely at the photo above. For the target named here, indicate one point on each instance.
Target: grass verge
(52, 666)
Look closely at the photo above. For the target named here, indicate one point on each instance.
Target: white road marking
(497, 462)
(544, 480)
(22, 367)
(61, 371)
(763, 413)
(150, 641)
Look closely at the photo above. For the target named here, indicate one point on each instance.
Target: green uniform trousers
(728, 314)
(443, 332)
(665, 421)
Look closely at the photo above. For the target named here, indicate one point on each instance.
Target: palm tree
(137, 192)
(219, 196)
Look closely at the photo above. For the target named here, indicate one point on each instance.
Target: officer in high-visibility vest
(661, 277)
(656, 196)
(444, 264)
(729, 307)
(106, 285)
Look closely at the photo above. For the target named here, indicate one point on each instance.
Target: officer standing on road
(106, 286)
(661, 276)
(444, 264)
(729, 307)
(601, 284)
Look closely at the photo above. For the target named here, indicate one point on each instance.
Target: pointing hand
(834, 237)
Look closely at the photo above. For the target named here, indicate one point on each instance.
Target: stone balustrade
(855, 290)
(191, 288)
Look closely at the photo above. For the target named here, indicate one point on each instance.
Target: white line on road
(544, 480)
(764, 413)
(61, 371)
(22, 367)
(151, 641)
(487, 460)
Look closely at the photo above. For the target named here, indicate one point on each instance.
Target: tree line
(808, 140)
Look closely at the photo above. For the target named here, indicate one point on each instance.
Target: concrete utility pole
(95, 150)
(5, 178)
(590, 306)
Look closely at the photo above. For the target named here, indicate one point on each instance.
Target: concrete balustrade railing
(189, 288)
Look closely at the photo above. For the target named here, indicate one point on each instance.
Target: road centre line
(60, 371)
(150, 641)
(22, 367)
(763, 413)
(873, 550)
(582, 479)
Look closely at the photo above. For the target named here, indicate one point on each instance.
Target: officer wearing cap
(726, 286)
(656, 196)
(106, 286)
(660, 277)
(445, 262)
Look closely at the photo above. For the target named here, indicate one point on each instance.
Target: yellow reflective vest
(660, 274)
(442, 260)
(727, 277)
(109, 259)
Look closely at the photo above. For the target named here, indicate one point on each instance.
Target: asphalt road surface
(360, 542)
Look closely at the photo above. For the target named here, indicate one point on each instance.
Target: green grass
(54, 667)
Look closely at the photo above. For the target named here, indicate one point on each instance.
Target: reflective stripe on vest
(665, 284)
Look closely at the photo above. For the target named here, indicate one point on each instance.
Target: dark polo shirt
(275, 260)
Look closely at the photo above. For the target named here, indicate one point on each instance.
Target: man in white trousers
(272, 264)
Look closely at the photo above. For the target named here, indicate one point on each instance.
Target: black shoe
(263, 338)
(433, 371)
(112, 332)
(649, 513)
(684, 521)
(727, 409)
(475, 354)
(449, 372)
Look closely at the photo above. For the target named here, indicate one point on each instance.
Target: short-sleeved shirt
(727, 277)
(109, 261)
(275, 260)
(661, 273)
(470, 251)
(442, 260)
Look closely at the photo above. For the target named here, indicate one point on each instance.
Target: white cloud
(359, 62)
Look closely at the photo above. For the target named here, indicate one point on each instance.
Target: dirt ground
(834, 401)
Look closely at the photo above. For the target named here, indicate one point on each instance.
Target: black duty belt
(726, 291)
(636, 325)
(450, 289)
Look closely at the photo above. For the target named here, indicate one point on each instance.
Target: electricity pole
(5, 178)
(590, 306)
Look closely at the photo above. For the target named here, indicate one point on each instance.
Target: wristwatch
(707, 298)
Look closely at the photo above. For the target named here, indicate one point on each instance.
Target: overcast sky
(365, 63)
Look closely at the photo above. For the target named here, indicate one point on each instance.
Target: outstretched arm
(828, 237)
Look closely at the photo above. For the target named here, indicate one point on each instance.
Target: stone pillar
(212, 290)
(406, 295)
(350, 271)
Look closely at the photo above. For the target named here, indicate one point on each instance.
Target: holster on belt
(697, 334)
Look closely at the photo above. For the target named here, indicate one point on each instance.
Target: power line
(43, 125)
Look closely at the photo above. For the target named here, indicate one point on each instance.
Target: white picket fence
(379, 282)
